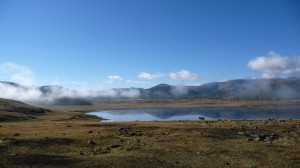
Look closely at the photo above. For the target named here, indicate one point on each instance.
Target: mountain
(255, 89)
(11, 110)
(279, 88)
(56, 90)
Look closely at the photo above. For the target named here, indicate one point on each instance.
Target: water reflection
(210, 113)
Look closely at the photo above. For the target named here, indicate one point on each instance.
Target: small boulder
(201, 118)
(226, 163)
(9, 140)
(91, 142)
(115, 145)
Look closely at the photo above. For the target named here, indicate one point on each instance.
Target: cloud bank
(17, 73)
(149, 76)
(183, 75)
(274, 65)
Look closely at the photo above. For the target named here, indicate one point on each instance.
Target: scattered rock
(98, 150)
(9, 140)
(137, 140)
(91, 142)
(226, 163)
(257, 139)
(164, 133)
(148, 134)
(123, 130)
(294, 134)
(115, 145)
(201, 118)
(251, 166)
(250, 139)
(261, 137)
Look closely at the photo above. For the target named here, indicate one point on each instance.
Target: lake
(209, 113)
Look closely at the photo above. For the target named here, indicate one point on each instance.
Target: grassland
(66, 138)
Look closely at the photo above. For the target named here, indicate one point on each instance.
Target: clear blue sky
(85, 41)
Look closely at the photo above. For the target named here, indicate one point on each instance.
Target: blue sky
(109, 43)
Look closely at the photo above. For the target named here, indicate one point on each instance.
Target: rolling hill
(11, 110)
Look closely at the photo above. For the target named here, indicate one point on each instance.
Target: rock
(297, 126)
(244, 133)
(99, 150)
(294, 134)
(148, 134)
(201, 118)
(250, 139)
(255, 128)
(123, 130)
(115, 145)
(91, 142)
(9, 140)
(226, 163)
(251, 166)
(257, 139)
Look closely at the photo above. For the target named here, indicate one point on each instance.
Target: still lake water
(209, 113)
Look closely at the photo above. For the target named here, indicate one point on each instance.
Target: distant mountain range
(278, 88)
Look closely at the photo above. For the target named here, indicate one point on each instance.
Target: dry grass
(58, 139)
(148, 144)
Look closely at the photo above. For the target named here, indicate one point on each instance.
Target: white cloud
(273, 65)
(148, 76)
(20, 93)
(183, 75)
(17, 73)
(114, 78)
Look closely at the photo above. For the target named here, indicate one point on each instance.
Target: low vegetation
(65, 137)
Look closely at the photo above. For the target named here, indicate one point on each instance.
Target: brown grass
(58, 139)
